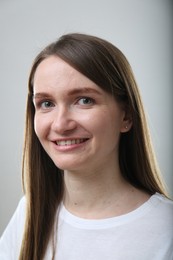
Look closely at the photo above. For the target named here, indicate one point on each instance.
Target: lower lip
(64, 148)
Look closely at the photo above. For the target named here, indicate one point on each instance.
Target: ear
(126, 123)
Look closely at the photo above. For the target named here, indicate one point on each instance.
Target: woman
(91, 182)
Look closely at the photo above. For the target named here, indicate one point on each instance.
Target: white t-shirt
(143, 234)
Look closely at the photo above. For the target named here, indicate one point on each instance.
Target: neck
(96, 193)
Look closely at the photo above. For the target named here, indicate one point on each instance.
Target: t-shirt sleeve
(10, 241)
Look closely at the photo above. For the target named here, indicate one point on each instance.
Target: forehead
(51, 64)
(53, 73)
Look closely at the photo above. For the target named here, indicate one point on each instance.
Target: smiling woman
(68, 123)
(90, 176)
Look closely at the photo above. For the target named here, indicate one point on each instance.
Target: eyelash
(91, 101)
(42, 104)
(47, 104)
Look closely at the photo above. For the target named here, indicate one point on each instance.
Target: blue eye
(85, 101)
(46, 104)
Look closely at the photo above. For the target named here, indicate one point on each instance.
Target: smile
(70, 142)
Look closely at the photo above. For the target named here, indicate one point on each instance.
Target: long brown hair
(105, 65)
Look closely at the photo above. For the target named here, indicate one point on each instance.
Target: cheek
(92, 121)
(39, 126)
(108, 126)
(100, 124)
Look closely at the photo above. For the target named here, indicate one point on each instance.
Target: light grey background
(142, 29)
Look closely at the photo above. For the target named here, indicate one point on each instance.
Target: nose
(63, 121)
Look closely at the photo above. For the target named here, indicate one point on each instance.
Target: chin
(67, 166)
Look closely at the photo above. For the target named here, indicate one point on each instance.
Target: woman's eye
(85, 101)
(44, 104)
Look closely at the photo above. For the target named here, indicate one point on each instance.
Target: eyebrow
(82, 91)
(72, 92)
(41, 95)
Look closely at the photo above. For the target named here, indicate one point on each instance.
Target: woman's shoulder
(162, 207)
(18, 217)
(19, 214)
(22, 204)
(11, 238)
(162, 200)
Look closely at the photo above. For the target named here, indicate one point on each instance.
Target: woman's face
(77, 123)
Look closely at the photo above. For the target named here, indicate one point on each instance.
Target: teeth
(70, 142)
(73, 142)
